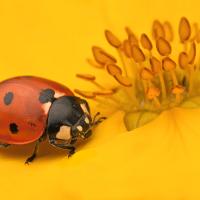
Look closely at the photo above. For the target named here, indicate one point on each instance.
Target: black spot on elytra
(14, 128)
(8, 98)
(46, 96)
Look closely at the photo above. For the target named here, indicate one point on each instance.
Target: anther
(137, 54)
(168, 64)
(146, 74)
(127, 48)
(168, 31)
(178, 89)
(163, 46)
(152, 94)
(102, 57)
(146, 42)
(125, 81)
(112, 39)
(183, 60)
(113, 69)
(184, 29)
(91, 78)
(157, 30)
(156, 65)
(156, 68)
(131, 37)
(86, 94)
(87, 77)
(94, 64)
(192, 53)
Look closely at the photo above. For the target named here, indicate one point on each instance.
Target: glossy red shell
(25, 110)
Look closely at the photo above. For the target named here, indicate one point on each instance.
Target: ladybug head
(85, 123)
(69, 116)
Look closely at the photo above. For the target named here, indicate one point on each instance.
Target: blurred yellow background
(52, 39)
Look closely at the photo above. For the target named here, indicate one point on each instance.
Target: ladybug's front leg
(69, 146)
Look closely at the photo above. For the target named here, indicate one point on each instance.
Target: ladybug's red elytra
(33, 109)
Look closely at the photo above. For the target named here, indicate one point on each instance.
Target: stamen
(86, 94)
(183, 60)
(127, 48)
(192, 53)
(87, 77)
(113, 69)
(152, 94)
(157, 30)
(137, 54)
(125, 81)
(184, 29)
(121, 56)
(94, 64)
(169, 65)
(156, 67)
(112, 39)
(163, 46)
(104, 92)
(102, 57)
(168, 31)
(146, 42)
(151, 76)
(146, 74)
(131, 37)
(178, 90)
(91, 78)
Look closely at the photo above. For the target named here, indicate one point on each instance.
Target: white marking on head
(80, 128)
(46, 107)
(58, 94)
(84, 108)
(87, 120)
(64, 133)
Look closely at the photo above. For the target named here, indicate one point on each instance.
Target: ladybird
(33, 109)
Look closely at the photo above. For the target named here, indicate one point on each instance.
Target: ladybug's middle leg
(69, 146)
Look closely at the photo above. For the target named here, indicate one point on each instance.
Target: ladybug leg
(69, 146)
(4, 145)
(33, 156)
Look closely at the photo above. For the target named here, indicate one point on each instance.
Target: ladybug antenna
(96, 121)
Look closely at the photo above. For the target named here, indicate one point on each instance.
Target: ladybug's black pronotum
(33, 109)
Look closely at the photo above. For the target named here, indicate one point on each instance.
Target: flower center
(150, 78)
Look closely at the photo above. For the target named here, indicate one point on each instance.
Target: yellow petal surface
(157, 161)
(52, 39)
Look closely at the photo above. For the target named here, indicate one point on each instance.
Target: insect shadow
(46, 151)
(23, 151)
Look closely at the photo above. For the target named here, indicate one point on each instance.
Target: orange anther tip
(168, 64)
(112, 39)
(146, 42)
(113, 69)
(163, 47)
(184, 29)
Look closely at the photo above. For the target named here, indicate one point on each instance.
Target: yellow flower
(51, 39)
